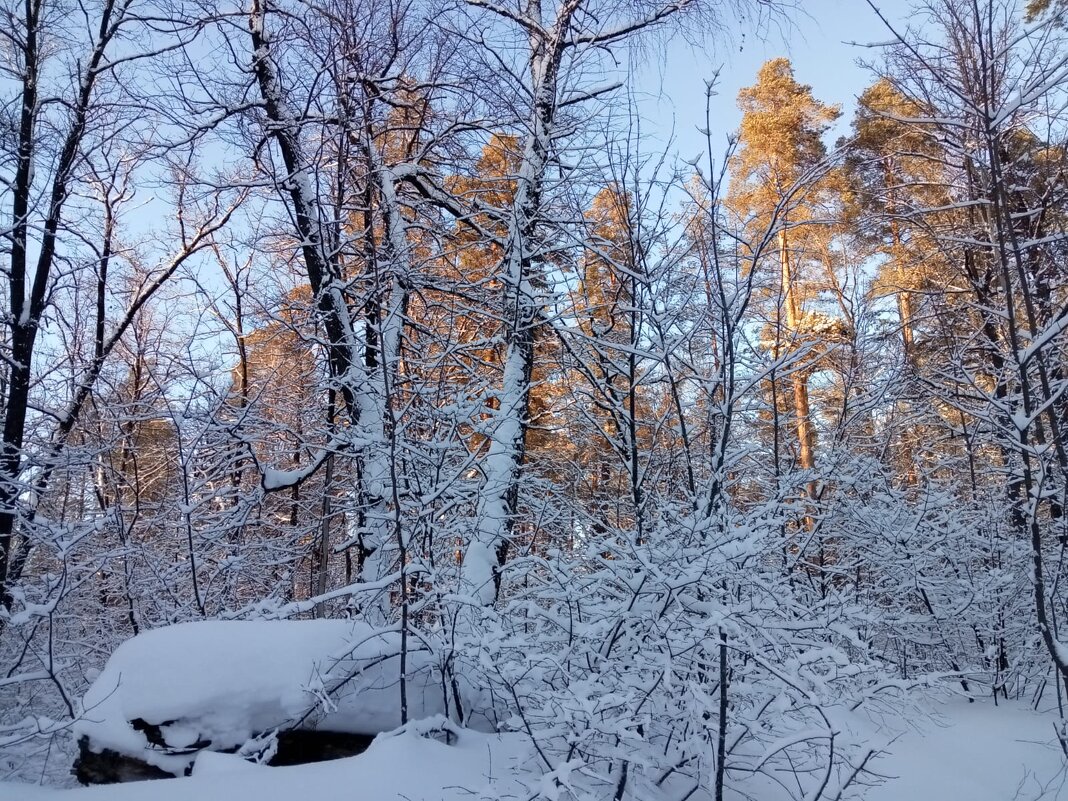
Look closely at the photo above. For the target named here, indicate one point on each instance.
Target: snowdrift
(170, 693)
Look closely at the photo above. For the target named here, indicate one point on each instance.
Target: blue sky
(816, 38)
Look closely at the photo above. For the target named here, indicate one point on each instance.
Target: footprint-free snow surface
(969, 752)
(976, 752)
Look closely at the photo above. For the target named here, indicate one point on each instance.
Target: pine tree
(774, 188)
(893, 168)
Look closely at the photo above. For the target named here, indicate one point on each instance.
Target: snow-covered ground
(971, 752)
(976, 752)
(405, 767)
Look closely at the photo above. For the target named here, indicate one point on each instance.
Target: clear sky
(816, 37)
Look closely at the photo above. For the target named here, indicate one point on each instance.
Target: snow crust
(226, 681)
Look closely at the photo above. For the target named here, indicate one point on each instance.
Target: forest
(367, 368)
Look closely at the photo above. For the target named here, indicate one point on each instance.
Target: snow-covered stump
(273, 692)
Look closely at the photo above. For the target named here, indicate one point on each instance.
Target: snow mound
(169, 693)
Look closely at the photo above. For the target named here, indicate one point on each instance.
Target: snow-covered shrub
(634, 665)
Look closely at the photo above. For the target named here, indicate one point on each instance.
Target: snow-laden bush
(660, 668)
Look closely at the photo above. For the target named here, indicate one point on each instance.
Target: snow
(977, 752)
(225, 681)
(1060, 650)
(212, 763)
(402, 767)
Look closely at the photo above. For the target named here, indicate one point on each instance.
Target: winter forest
(373, 385)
